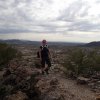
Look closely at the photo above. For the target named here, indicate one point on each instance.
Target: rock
(50, 89)
(96, 76)
(98, 97)
(43, 86)
(71, 74)
(35, 73)
(2, 74)
(94, 80)
(98, 82)
(10, 80)
(53, 96)
(18, 96)
(82, 80)
(6, 73)
(91, 85)
(54, 81)
(23, 85)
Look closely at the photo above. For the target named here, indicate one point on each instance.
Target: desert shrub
(82, 61)
(2, 91)
(7, 53)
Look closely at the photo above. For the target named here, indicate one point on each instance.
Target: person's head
(44, 42)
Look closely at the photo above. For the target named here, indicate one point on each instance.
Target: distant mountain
(19, 42)
(26, 42)
(93, 44)
(66, 43)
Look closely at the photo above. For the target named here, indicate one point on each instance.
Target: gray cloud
(77, 14)
(97, 1)
(69, 14)
(84, 26)
(31, 16)
(9, 30)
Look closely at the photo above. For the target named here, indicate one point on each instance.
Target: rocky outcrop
(98, 98)
(49, 89)
(82, 80)
(18, 96)
(23, 81)
(18, 83)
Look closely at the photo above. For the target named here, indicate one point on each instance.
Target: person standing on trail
(45, 57)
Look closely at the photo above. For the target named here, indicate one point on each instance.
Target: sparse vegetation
(17, 81)
(22, 78)
(82, 61)
(7, 53)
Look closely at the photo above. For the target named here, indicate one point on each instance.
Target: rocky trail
(56, 86)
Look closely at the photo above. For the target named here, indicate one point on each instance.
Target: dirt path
(77, 92)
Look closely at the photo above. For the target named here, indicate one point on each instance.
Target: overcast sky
(54, 20)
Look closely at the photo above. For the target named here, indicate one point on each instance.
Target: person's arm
(40, 53)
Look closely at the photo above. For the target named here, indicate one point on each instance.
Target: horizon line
(47, 41)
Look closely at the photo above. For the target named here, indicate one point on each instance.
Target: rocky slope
(23, 81)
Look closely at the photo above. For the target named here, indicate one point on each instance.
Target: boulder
(7, 72)
(82, 80)
(18, 96)
(53, 96)
(98, 97)
(54, 81)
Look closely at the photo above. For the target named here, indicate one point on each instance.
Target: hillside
(25, 81)
(27, 42)
(93, 44)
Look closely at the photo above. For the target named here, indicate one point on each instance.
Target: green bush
(7, 53)
(82, 61)
(2, 91)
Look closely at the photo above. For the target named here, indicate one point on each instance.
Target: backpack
(41, 47)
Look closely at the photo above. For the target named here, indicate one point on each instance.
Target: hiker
(45, 57)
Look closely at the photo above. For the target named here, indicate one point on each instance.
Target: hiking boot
(46, 70)
(42, 72)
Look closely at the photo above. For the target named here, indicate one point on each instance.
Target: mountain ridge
(28, 42)
(93, 44)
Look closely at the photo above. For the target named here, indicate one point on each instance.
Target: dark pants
(45, 61)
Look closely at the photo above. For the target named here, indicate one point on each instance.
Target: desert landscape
(71, 76)
(69, 29)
